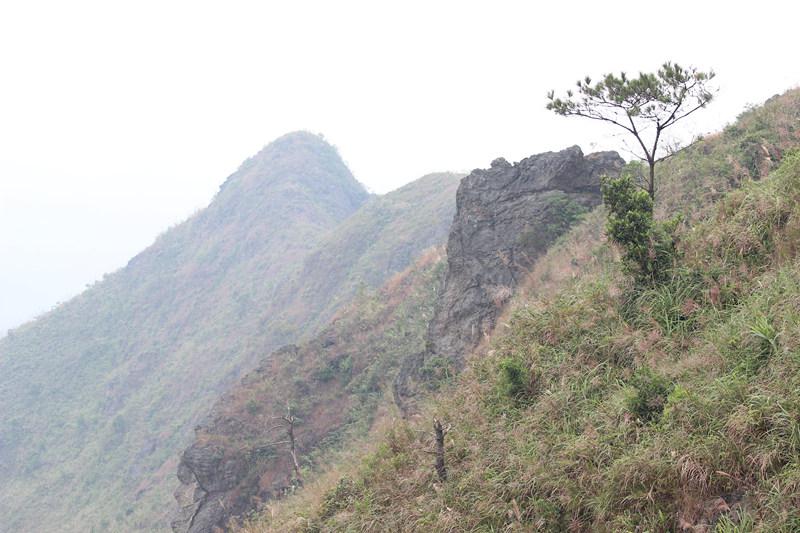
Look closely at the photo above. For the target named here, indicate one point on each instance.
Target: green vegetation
(649, 395)
(514, 378)
(562, 214)
(664, 406)
(648, 244)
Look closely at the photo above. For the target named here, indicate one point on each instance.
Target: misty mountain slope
(380, 239)
(334, 384)
(506, 216)
(98, 396)
(96, 392)
(600, 405)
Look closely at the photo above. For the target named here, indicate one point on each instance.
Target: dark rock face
(506, 217)
(218, 478)
(205, 475)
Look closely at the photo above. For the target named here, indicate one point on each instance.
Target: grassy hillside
(98, 397)
(603, 406)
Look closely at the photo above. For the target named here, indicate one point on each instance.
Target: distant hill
(380, 239)
(98, 396)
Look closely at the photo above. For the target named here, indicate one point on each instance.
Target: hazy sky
(118, 119)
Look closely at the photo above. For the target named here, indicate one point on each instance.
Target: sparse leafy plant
(740, 522)
(762, 329)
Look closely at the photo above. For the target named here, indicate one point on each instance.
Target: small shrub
(515, 378)
(252, 407)
(652, 391)
(342, 496)
(762, 329)
(325, 374)
(648, 246)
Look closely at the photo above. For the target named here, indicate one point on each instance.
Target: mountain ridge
(97, 396)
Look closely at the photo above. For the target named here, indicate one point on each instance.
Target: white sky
(118, 119)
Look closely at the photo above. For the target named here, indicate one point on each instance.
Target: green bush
(648, 246)
(652, 390)
(515, 378)
(253, 407)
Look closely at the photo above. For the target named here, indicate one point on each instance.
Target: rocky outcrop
(207, 475)
(506, 217)
(222, 474)
(240, 457)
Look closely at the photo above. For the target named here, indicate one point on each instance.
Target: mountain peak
(296, 143)
(301, 164)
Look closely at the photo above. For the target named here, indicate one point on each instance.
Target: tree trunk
(441, 470)
(290, 420)
(651, 185)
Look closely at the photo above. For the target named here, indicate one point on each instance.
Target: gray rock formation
(219, 475)
(506, 217)
(204, 473)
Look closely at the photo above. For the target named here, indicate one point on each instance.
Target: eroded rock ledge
(506, 218)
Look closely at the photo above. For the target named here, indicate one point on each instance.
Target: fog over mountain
(108, 138)
(98, 396)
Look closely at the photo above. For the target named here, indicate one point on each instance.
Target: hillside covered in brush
(98, 397)
(505, 217)
(333, 385)
(382, 238)
(603, 404)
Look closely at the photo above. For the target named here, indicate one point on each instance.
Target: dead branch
(288, 421)
(439, 433)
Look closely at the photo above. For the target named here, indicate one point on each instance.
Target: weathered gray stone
(506, 217)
